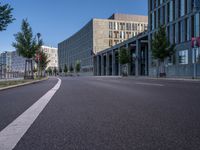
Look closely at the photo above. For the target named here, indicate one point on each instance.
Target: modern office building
(18, 63)
(182, 21)
(5, 64)
(97, 35)
(52, 54)
(6, 59)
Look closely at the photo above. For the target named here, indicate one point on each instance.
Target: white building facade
(52, 54)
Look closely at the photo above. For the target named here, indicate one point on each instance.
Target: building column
(119, 66)
(97, 65)
(129, 64)
(137, 61)
(107, 64)
(146, 60)
(113, 63)
(102, 65)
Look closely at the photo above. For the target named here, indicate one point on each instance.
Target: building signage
(197, 4)
(196, 42)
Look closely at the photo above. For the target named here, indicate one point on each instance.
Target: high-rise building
(97, 35)
(182, 21)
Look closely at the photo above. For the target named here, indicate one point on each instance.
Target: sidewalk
(22, 84)
(151, 78)
(11, 79)
(167, 78)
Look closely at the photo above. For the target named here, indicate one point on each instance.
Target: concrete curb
(151, 78)
(165, 79)
(23, 84)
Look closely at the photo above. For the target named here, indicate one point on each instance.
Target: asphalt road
(98, 113)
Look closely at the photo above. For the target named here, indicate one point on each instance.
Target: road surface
(106, 113)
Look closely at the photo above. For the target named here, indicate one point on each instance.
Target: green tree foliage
(161, 47)
(26, 45)
(49, 70)
(6, 16)
(78, 66)
(124, 56)
(42, 59)
(65, 69)
(55, 71)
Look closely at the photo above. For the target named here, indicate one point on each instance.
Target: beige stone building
(97, 35)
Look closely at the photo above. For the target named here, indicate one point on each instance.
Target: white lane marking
(149, 84)
(11, 135)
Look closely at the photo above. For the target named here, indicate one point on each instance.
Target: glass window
(197, 50)
(182, 7)
(188, 29)
(183, 57)
(152, 22)
(171, 11)
(197, 25)
(182, 37)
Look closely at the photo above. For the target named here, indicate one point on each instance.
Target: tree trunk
(162, 69)
(28, 74)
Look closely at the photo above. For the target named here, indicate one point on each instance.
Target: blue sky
(57, 20)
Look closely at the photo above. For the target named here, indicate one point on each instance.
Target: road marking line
(11, 135)
(150, 84)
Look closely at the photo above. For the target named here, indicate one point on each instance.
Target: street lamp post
(38, 57)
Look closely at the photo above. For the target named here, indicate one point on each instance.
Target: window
(110, 34)
(187, 34)
(182, 7)
(128, 26)
(192, 26)
(152, 21)
(163, 15)
(110, 25)
(171, 11)
(197, 24)
(182, 37)
(183, 57)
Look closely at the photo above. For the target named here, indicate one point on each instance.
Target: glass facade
(183, 57)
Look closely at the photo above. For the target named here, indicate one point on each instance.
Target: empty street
(104, 113)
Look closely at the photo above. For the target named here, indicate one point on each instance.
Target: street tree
(124, 59)
(6, 16)
(161, 49)
(65, 69)
(26, 46)
(49, 70)
(41, 59)
(78, 67)
(55, 71)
